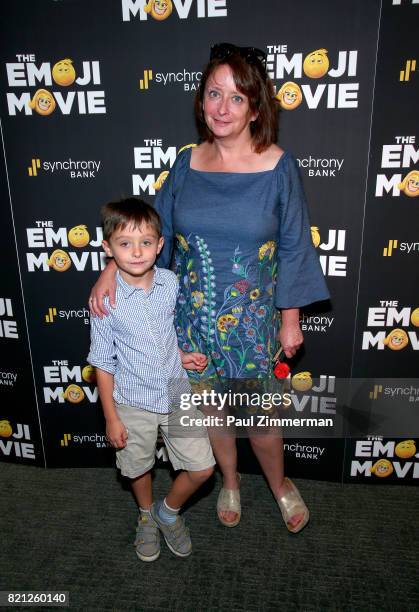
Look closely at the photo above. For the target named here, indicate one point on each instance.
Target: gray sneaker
(147, 540)
(176, 535)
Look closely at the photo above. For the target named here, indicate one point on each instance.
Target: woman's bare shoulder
(204, 157)
(199, 156)
(272, 155)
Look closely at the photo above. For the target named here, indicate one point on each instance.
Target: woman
(233, 211)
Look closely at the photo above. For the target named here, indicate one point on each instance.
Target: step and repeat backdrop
(96, 102)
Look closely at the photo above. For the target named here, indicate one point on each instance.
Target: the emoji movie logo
(162, 9)
(26, 73)
(59, 374)
(15, 440)
(153, 156)
(8, 328)
(369, 462)
(315, 66)
(401, 154)
(61, 259)
(390, 315)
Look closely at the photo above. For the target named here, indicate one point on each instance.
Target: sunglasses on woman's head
(251, 55)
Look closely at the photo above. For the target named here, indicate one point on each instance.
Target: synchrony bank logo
(407, 71)
(188, 79)
(8, 378)
(76, 97)
(160, 10)
(53, 315)
(394, 246)
(304, 451)
(73, 168)
(97, 440)
(321, 166)
(406, 392)
(316, 323)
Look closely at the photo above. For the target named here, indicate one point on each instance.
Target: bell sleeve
(164, 205)
(300, 277)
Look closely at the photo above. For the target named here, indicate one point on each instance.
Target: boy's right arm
(102, 356)
(115, 429)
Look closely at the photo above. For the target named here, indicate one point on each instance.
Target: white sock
(166, 513)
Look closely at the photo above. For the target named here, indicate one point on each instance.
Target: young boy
(138, 364)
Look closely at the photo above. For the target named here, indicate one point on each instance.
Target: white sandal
(292, 503)
(229, 501)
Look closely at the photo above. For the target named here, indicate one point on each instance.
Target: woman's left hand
(290, 335)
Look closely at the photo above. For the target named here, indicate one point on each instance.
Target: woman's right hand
(106, 285)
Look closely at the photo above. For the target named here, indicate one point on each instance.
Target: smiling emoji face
(5, 429)
(79, 236)
(397, 340)
(63, 72)
(382, 468)
(289, 96)
(74, 394)
(59, 261)
(316, 64)
(414, 317)
(410, 184)
(43, 102)
(88, 374)
(159, 9)
(405, 449)
(302, 381)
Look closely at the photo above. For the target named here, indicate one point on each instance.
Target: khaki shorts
(188, 447)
